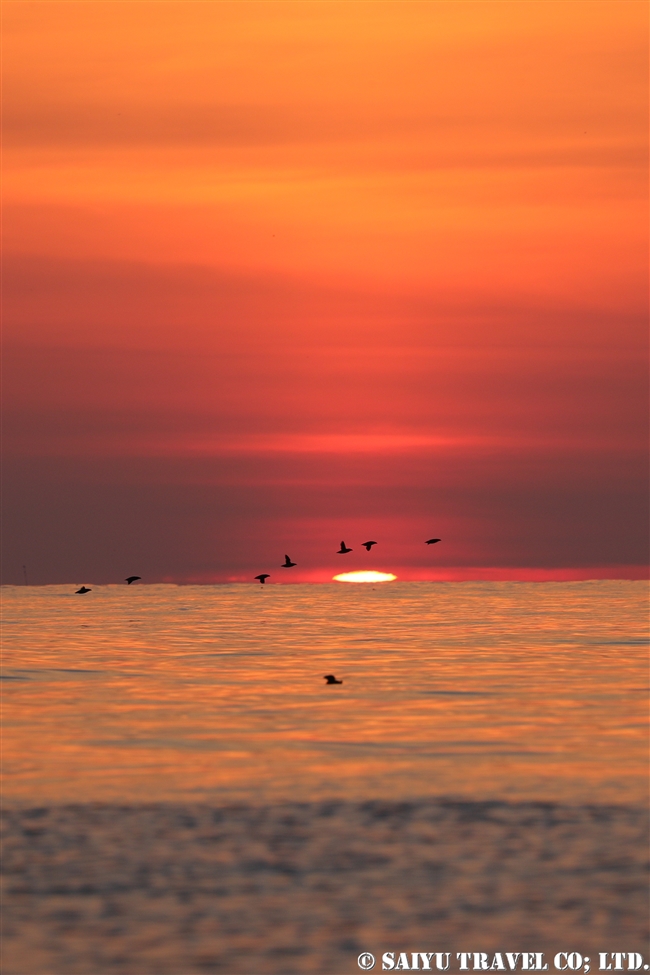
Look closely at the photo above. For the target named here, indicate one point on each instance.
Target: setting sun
(365, 577)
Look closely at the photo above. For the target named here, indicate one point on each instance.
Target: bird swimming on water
(132, 579)
(343, 549)
(288, 563)
(331, 679)
(263, 576)
(432, 541)
(368, 545)
(83, 590)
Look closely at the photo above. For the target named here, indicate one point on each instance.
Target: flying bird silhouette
(432, 541)
(343, 549)
(368, 545)
(263, 576)
(331, 679)
(132, 579)
(82, 590)
(288, 563)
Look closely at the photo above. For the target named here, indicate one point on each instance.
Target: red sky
(282, 273)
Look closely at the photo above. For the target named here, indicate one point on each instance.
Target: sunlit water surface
(216, 693)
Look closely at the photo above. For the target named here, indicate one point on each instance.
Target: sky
(278, 274)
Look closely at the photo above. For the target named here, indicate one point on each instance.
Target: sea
(184, 793)
(214, 693)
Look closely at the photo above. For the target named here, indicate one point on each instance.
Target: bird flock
(344, 549)
(287, 564)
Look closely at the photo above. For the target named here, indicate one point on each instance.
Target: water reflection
(209, 692)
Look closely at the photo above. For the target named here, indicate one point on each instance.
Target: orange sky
(280, 273)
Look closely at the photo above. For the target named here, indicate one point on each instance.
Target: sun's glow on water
(365, 577)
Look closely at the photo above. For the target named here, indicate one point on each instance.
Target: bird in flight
(288, 563)
(83, 589)
(368, 545)
(331, 679)
(263, 576)
(432, 541)
(132, 579)
(343, 549)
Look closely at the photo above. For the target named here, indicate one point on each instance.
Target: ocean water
(215, 694)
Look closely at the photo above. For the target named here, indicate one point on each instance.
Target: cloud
(282, 273)
(93, 303)
(98, 519)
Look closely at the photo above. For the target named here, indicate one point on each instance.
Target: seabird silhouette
(82, 590)
(343, 549)
(288, 563)
(263, 576)
(368, 545)
(432, 541)
(331, 679)
(132, 579)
